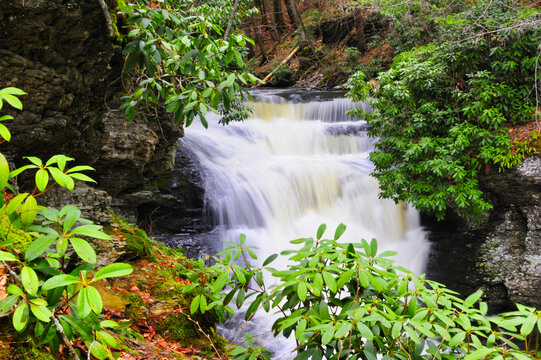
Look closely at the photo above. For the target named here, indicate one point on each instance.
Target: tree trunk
(359, 28)
(259, 41)
(231, 18)
(279, 16)
(295, 10)
(291, 13)
(274, 20)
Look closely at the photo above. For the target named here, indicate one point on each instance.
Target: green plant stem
(55, 321)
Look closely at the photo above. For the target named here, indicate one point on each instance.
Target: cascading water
(292, 166)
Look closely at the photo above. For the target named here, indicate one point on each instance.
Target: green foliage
(135, 238)
(183, 60)
(347, 301)
(352, 54)
(46, 299)
(443, 111)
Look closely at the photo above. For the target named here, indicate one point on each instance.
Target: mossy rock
(136, 239)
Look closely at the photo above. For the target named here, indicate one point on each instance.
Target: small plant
(351, 54)
(283, 76)
(46, 297)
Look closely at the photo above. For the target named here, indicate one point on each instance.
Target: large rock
(60, 53)
(502, 255)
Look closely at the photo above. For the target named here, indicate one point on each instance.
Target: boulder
(502, 255)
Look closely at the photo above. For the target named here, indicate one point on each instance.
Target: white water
(292, 166)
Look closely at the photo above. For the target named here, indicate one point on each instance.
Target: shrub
(347, 301)
(443, 111)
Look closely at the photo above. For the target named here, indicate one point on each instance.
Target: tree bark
(295, 10)
(291, 13)
(278, 15)
(275, 34)
(359, 28)
(259, 41)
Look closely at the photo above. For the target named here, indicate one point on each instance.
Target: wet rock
(502, 255)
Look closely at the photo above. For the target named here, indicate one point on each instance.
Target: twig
(89, 357)
(231, 18)
(60, 329)
(107, 16)
(202, 332)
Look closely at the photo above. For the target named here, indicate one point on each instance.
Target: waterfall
(298, 162)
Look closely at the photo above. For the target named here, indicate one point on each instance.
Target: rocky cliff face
(502, 254)
(60, 53)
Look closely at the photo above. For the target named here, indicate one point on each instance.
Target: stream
(297, 162)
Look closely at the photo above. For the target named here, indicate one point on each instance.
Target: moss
(177, 328)
(35, 354)
(16, 238)
(136, 239)
(18, 350)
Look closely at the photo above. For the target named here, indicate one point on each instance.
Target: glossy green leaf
(83, 305)
(94, 299)
(15, 290)
(270, 259)
(321, 230)
(473, 298)
(343, 330)
(42, 179)
(15, 203)
(59, 280)
(29, 210)
(21, 315)
(108, 338)
(80, 168)
(61, 178)
(12, 100)
(480, 353)
(195, 304)
(365, 331)
(5, 256)
(7, 303)
(16, 172)
(12, 91)
(329, 281)
(113, 270)
(71, 215)
(4, 171)
(220, 282)
(83, 249)
(82, 177)
(528, 325)
(94, 231)
(30, 280)
(41, 312)
(78, 325)
(340, 229)
(327, 335)
(302, 291)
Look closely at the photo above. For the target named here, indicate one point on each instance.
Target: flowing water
(299, 161)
